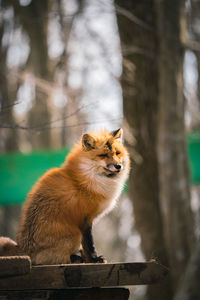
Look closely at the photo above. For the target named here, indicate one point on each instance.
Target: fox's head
(105, 154)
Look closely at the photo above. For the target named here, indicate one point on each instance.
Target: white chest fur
(109, 187)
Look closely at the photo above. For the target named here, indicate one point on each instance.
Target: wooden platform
(18, 279)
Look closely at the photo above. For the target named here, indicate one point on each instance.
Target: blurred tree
(8, 90)
(34, 20)
(62, 65)
(189, 287)
(194, 17)
(150, 35)
(173, 164)
(71, 103)
(8, 138)
(137, 27)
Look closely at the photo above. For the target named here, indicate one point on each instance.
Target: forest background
(69, 66)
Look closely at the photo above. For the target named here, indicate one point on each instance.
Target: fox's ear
(117, 134)
(88, 142)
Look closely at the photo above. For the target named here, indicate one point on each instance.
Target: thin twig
(66, 116)
(37, 129)
(129, 15)
(192, 45)
(7, 107)
(137, 50)
(46, 86)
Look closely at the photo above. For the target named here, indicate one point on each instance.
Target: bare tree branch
(137, 50)
(46, 86)
(68, 115)
(192, 45)
(5, 108)
(38, 129)
(129, 15)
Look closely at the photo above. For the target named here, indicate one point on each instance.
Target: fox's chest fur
(108, 188)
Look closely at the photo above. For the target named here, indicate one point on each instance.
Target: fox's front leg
(89, 248)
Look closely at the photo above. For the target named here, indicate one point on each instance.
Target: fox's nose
(118, 167)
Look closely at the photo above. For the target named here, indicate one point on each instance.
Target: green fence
(20, 171)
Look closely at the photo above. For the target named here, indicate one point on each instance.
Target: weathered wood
(14, 265)
(86, 275)
(86, 294)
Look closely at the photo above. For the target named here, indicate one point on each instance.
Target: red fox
(60, 209)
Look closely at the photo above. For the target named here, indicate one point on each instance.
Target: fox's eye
(118, 153)
(103, 155)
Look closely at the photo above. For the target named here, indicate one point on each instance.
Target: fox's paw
(98, 259)
(76, 259)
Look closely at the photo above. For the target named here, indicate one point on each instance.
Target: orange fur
(65, 199)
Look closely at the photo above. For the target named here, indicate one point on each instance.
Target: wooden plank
(72, 294)
(86, 275)
(14, 265)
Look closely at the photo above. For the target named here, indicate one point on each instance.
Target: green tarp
(193, 143)
(20, 171)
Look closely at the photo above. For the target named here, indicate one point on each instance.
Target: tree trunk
(34, 19)
(140, 92)
(8, 137)
(173, 165)
(189, 288)
(198, 82)
(194, 16)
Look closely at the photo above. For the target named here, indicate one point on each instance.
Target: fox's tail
(9, 248)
